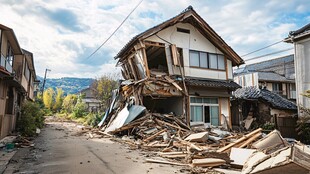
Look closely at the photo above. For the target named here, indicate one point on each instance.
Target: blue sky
(62, 34)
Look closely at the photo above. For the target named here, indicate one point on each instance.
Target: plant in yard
(79, 109)
(303, 126)
(68, 103)
(30, 119)
(48, 98)
(93, 119)
(58, 100)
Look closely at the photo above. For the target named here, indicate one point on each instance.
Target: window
(10, 54)
(204, 110)
(27, 72)
(277, 88)
(206, 60)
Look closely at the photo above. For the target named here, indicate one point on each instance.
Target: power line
(262, 48)
(270, 54)
(115, 30)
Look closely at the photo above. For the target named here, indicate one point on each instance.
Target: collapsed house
(181, 66)
(264, 106)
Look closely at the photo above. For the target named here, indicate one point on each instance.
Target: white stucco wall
(193, 41)
(225, 109)
(302, 64)
(245, 80)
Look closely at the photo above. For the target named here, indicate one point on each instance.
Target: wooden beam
(245, 137)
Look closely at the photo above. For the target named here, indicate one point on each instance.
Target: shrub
(31, 118)
(79, 109)
(303, 126)
(93, 119)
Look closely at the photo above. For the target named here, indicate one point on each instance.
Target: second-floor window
(277, 88)
(206, 60)
(10, 55)
(27, 72)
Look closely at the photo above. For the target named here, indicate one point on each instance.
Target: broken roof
(212, 83)
(299, 34)
(275, 100)
(189, 15)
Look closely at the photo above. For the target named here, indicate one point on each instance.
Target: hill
(70, 85)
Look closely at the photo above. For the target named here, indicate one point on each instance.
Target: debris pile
(171, 141)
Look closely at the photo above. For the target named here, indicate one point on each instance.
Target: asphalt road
(58, 150)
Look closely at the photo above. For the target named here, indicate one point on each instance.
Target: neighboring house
(89, 98)
(277, 75)
(181, 66)
(17, 79)
(301, 40)
(264, 106)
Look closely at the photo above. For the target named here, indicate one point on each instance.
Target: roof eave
(217, 40)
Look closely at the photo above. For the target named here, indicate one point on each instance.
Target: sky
(62, 34)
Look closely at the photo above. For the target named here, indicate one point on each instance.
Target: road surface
(58, 149)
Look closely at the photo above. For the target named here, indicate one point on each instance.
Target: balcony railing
(5, 63)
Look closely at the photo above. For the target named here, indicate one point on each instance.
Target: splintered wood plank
(155, 135)
(245, 137)
(208, 162)
(165, 162)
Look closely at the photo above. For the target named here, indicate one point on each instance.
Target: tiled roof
(275, 100)
(302, 33)
(282, 66)
(271, 76)
(212, 83)
(302, 30)
(189, 15)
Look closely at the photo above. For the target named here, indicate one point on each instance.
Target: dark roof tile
(275, 100)
(212, 83)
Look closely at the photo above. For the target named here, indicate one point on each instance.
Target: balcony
(5, 64)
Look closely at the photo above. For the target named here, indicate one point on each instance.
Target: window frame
(203, 104)
(208, 60)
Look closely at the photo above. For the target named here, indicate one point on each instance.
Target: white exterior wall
(302, 64)
(192, 41)
(245, 80)
(225, 110)
(229, 69)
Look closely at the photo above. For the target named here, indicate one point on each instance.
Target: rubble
(172, 142)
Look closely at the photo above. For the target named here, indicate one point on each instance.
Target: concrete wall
(193, 41)
(302, 63)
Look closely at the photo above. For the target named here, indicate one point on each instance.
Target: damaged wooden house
(180, 67)
(260, 106)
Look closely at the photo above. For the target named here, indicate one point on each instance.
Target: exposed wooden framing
(156, 44)
(252, 79)
(145, 61)
(174, 55)
(133, 72)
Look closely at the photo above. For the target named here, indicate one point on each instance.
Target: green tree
(79, 109)
(31, 118)
(103, 87)
(58, 99)
(69, 102)
(303, 123)
(48, 98)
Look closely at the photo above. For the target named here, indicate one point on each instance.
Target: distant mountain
(70, 85)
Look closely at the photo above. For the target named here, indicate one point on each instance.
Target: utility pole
(44, 80)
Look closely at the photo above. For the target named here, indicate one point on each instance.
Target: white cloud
(244, 25)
